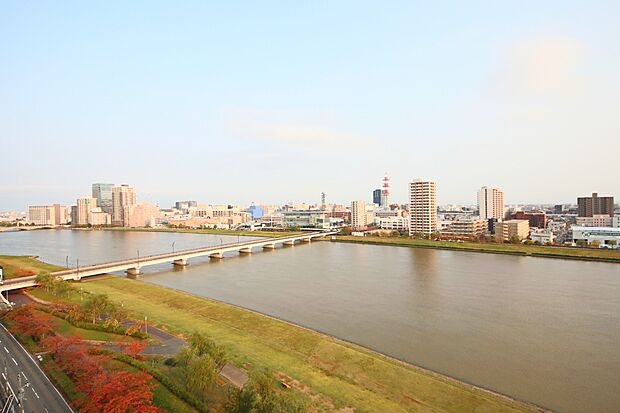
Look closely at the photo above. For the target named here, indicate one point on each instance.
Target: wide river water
(537, 329)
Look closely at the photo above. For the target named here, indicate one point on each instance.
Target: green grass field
(24, 266)
(343, 374)
(592, 254)
(206, 231)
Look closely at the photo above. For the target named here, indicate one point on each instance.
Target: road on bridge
(41, 395)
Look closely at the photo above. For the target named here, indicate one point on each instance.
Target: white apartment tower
(422, 207)
(358, 215)
(123, 197)
(491, 203)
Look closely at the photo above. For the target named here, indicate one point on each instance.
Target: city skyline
(179, 115)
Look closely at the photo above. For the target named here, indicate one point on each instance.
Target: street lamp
(138, 257)
(173, 247)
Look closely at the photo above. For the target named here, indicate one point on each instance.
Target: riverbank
(584, 254)
(332, 372)
(24, 266)
(209, 231)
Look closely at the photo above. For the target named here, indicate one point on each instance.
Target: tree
(202, 373)
(515, 239)
(117, 392)
(96, 305)
(28, 322)
(261, 396)
(134, 348)
(595, 243)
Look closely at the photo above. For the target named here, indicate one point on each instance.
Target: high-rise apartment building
(491, 203)
(422, 207)
(595, 205)
(123, 197)
(103, 193)
(358, 215)
(83, 209)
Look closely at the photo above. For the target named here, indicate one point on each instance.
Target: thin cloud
(289, 128)
(544, 67)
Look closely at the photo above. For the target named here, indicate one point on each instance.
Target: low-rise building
(305, 219)
(467, 228)
(510, 230)
(98, 217)
(599, 220)
(542, 236)
(394, 223)
(603, 236)
(536, 219)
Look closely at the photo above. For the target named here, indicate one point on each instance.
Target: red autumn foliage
(134, 348)
(27, 322)
(117, 392)
(105, 391)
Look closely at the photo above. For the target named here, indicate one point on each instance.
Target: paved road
(41, 395)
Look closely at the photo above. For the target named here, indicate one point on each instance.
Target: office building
(103, 194)
(122, 197)
(603, 236)
(595, 205)
(376, 196)
(514, 229)
(536, 219)
(358, 215)
(54, 214)
(422, 207)
(306, 219)
(491, 203)
(185, 205)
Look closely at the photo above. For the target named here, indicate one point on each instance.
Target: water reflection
(542, 330)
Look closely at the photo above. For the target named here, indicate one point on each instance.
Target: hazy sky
(279, 101)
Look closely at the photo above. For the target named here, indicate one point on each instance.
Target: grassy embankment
(272, 234)
(591, 254)
(336, 373)
(24, 266)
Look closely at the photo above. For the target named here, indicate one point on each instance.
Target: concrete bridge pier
(306, 240)
(133, 272)
(245, 250)
(216, 256)
(180, 263)
(269, 246)
(289, 243)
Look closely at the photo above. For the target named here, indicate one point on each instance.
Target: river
(537, 329)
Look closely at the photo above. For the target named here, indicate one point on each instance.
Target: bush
(165, 381)
(96, 327)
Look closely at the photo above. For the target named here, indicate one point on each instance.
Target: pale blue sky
(278, 101)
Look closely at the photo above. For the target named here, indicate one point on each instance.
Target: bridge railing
(137, 260)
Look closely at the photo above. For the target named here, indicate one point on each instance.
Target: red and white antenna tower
(385, 191)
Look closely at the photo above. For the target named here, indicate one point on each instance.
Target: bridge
(179, 258)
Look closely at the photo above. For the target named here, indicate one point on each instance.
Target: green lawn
(24, 266)
(206, 231)
(593, 254)
(64, 328)
(345, 374)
